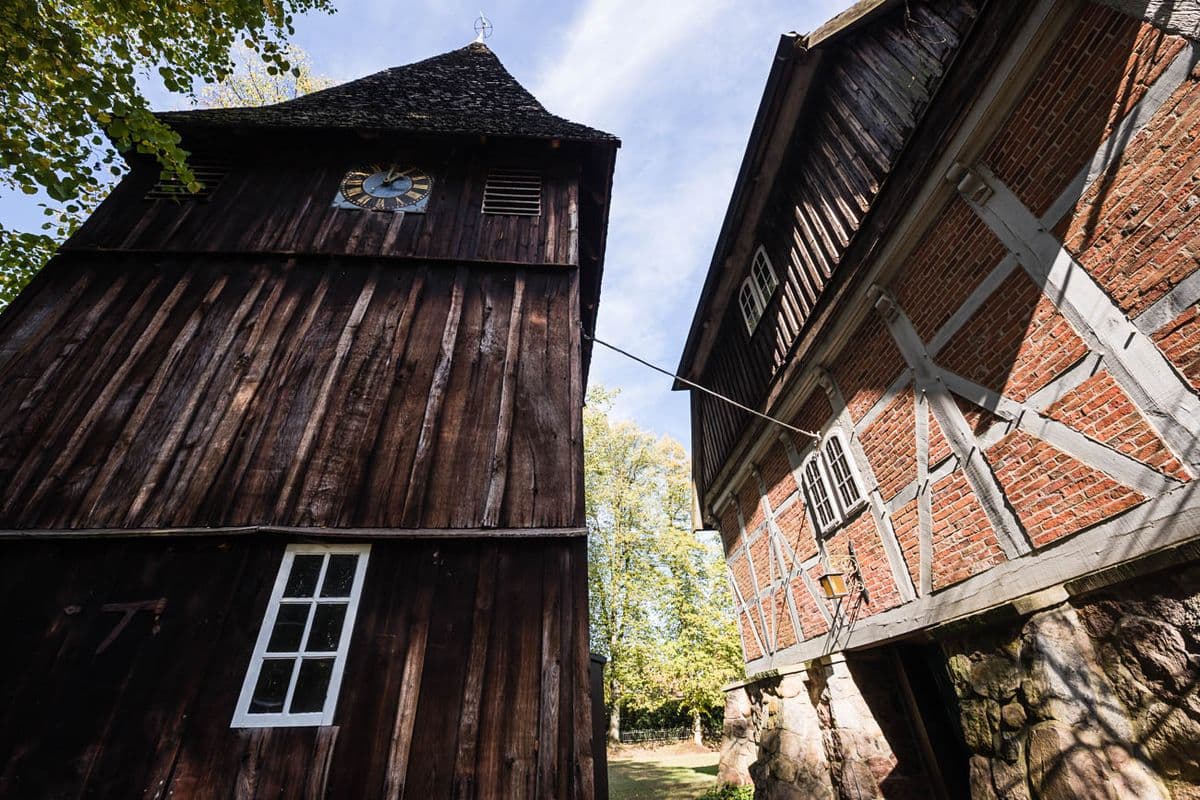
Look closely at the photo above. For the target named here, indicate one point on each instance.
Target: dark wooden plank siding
(150, 715)
(281, 202)
(267, 390)
(872, 89)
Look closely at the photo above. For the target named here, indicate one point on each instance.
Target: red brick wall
(978, 419)
(812, 416)
(731, 534)
(776, 473)
(1137, 229)
(760, 552)
(796, 528)
(748, 500)
(891, 446)
(1016, 343)
(1100, 409)
(868, 547)
(964, 543)
(785, 632)
(867, 366)
(1099, 69)
(749, 644)
(905, 523)
(1180, 342)
(811, 619)
(954, 256)
(739, 565)
(1053, 493)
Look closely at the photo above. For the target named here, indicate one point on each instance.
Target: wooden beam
(1009, 532)
(313, 532)
(1116, 465)
(924, 495)
(1165, 398)
(862, 466)
(1130, 537)
(321, 404)
(504, 418)
(414, 500)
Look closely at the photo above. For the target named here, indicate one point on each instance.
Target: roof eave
(786, 89)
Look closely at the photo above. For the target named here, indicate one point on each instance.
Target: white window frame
(748, 295)
(841, 511)
(761, 267)
(822, 477)
(853, 475)
(242, 718)
(758, 294)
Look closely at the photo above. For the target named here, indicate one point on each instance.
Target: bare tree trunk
(614, 724)
(697, 731)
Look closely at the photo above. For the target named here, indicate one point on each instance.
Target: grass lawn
(675, 772)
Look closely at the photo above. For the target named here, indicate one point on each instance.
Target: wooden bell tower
(291, 487)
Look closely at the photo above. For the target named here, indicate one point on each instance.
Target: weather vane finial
(483, 28)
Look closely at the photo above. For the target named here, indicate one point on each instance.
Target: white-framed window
(751, 309)
(755, 292)
(296, 668)
(764, 275)
(831, 485)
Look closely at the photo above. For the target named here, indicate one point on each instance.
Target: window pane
(312, 685)
(836, 458)
(302, 581)
(326, 628)
(818, 494)
(289, 628)
(272, 686)
(764, 276)
(339, 576)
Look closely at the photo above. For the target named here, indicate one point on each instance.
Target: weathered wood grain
(874, 87)
(281, 393)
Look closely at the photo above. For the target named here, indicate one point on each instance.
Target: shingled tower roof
(464, 91)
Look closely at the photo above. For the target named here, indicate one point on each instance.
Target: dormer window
(831, 486)
(755, 292)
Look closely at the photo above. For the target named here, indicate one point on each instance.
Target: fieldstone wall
(774, 739)
(833, 731)
(1092, 698)
(1147, 642)
(1040, 716)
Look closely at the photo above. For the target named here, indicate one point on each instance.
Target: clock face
(386, 187)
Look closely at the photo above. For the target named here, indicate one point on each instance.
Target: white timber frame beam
(758, 591)
(776, 540)
(1118, 466)
(1009, 533)
(883, 522)
(924, 494)
(1167, 401)
(1167, 521)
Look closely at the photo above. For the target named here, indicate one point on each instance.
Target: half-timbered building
(291, 468)
(961, 270)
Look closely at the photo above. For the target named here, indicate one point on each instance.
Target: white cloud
(611, 48)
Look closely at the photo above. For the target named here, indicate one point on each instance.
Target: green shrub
(728, 791)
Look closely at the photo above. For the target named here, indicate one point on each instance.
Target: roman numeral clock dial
(385, 187)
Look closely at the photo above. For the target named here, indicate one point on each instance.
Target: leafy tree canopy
(70, 101)
(660, 604)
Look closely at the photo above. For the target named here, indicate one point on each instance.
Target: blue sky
(678, 82)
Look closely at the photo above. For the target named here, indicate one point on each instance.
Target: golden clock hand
(391, 175)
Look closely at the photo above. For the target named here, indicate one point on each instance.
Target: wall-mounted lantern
(836, 584)
(833, 585)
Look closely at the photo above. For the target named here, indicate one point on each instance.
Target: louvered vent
(513, 191)
(209, 174)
